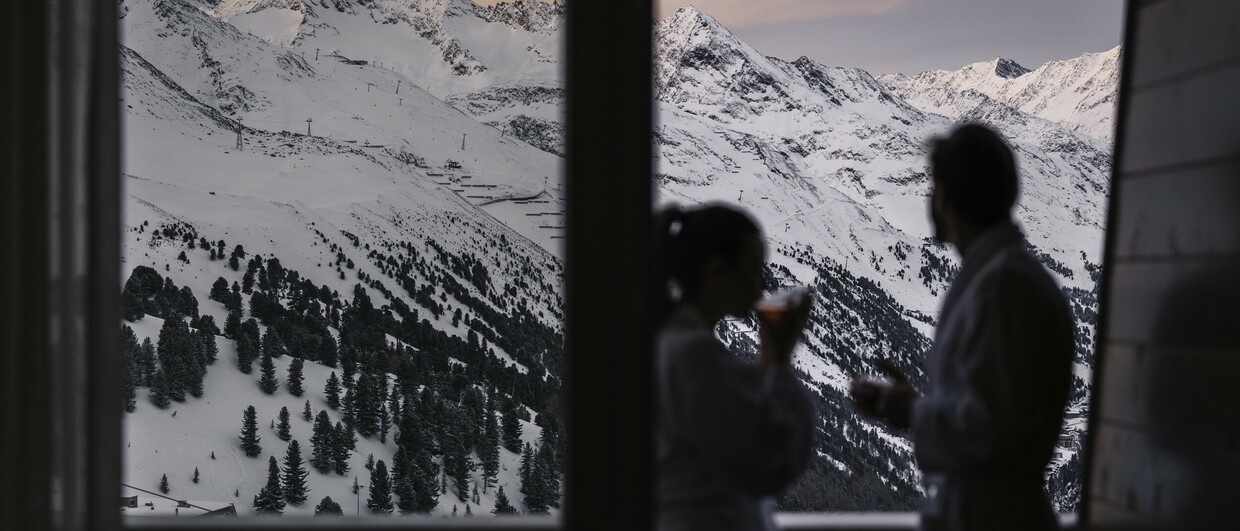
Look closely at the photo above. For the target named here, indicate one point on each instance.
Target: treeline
(177, 364)
(448, 419)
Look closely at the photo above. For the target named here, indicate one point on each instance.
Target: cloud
(741, 13)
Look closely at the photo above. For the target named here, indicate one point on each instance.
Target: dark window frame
(61, 228)
(65, 204)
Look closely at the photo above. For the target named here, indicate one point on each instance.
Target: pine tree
(249, 433)
(488, 451)
(532, 485)
(232, 324)
(332, 391)
(219, 290)
(454, 509)
(294, 377)
(366, 402)
(206, 338)
(270, 500)
(380, 490)
(476, 497)
(132, 306)
(348, 408)
(384, 425)
(247, 352)
(393, 407)
(282, 428)
(323, 443)
(370, 462)
(146, 362)
(272, 345)
(502, 505)
(467, 511)
(131, 372)
(548, 480)
(195, 474)
(306, 414)
(295, 488)
(161, 390)
(327, 350)
(511, 429)
(341, 448)
(457, 462)
(267, 380)
(404, 491)
(548, 463)
(172, 349)
(423, 474)
(163, 484)
(327, 507)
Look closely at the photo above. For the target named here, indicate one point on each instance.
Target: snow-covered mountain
(430, 180)
(446, 224)
(1079, 93)
(832, 162)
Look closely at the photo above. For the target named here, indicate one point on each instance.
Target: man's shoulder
(1017, 273)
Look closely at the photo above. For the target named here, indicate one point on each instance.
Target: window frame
(62, 194)
(72, 215)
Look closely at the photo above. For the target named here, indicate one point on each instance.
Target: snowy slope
(274, 89)
(1079, 93)
(372, 179)
(446, 46)
(183, 437)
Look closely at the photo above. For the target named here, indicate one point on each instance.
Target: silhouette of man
(999, 371)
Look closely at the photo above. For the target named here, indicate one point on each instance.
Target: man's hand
(888, 400)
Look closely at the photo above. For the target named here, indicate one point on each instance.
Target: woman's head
(712, 256)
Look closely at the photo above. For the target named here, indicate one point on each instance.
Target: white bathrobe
(729, 434)
(998, 379)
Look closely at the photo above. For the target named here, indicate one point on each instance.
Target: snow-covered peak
(534, 16)
(1009, 69)
(698, 60)
(1079, 93)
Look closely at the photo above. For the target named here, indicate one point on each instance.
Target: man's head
(975, 184)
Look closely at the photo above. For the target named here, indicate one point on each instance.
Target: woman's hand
(778, 333)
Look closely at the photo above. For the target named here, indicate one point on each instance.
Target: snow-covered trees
(295, 487)
(511, 428)
(380, 500)
(267, 380)
(295, 377)
(502, 505)
(282, 428)
(323, 442)
(270, 500)
(331, 391)
(249, 433)
(163, 484)
(327, 507)
(343, 443)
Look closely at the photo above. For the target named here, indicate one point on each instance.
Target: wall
(1165, 430)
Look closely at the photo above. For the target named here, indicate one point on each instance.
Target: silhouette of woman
(729, 434)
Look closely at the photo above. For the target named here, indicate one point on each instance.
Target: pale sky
(884, 36)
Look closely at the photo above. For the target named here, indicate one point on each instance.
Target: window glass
(815, 117)
(343, 230)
